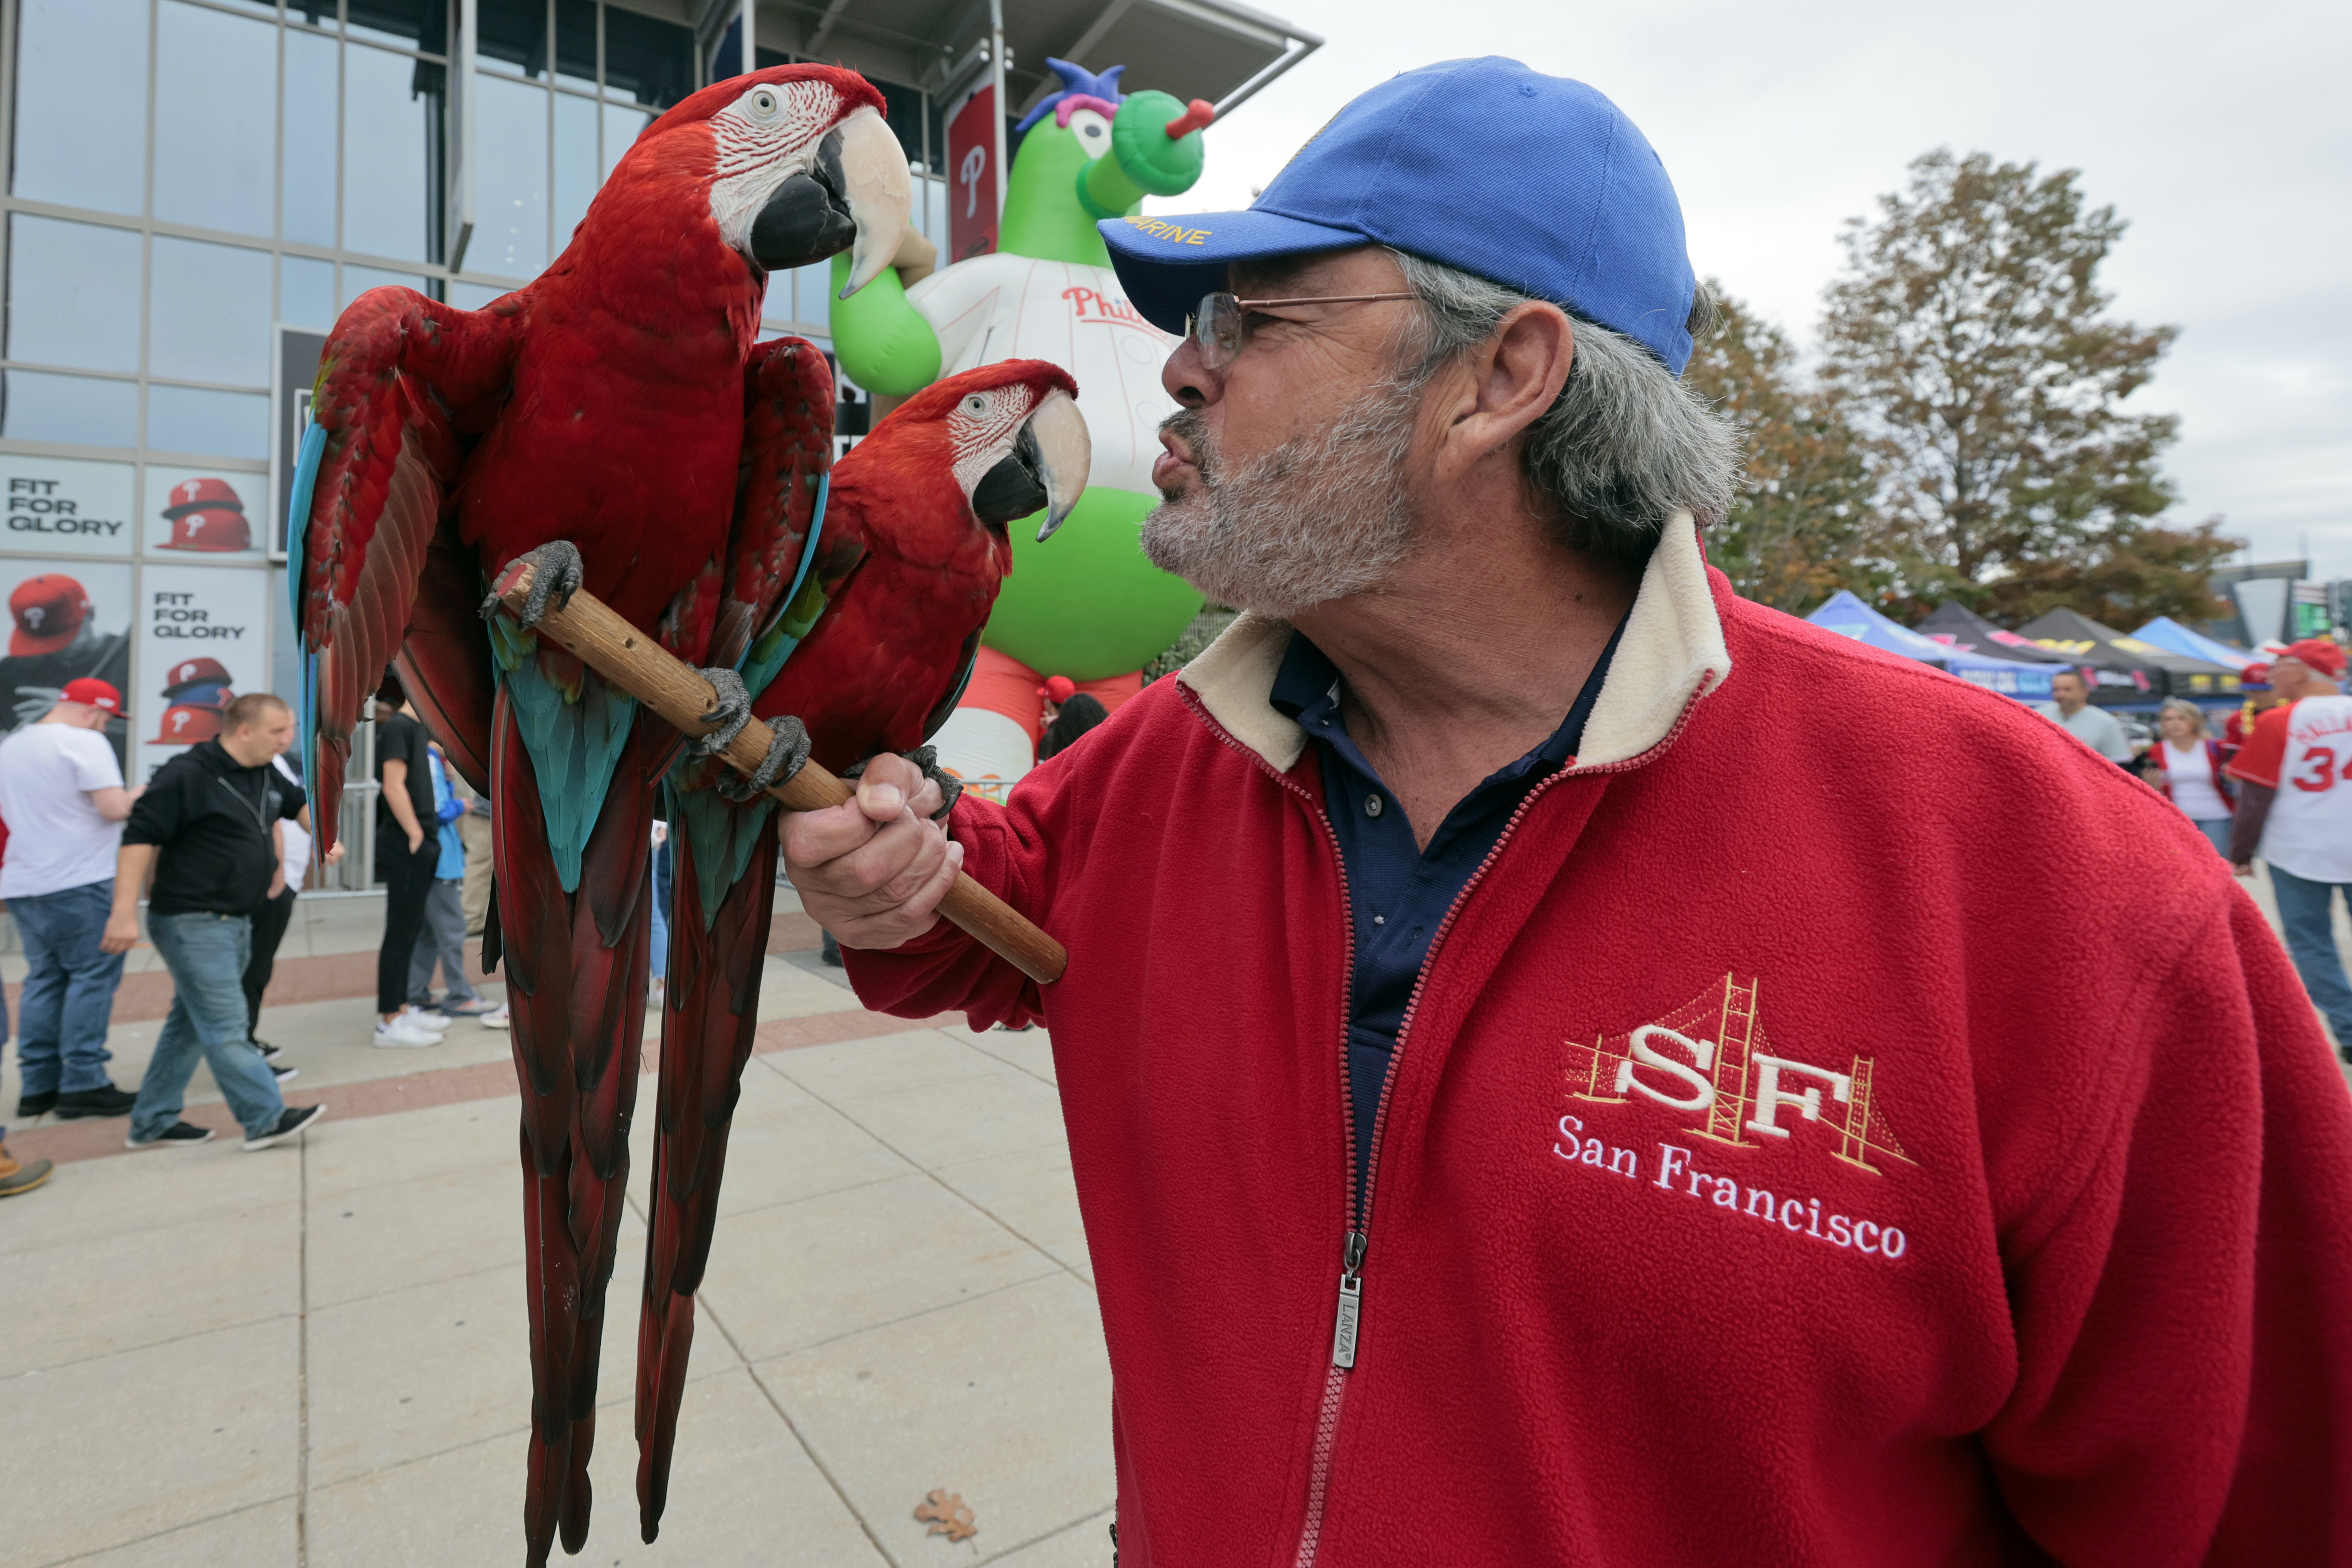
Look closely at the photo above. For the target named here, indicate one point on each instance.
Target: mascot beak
(1045, 469)
(1064, 451)
(855, 197)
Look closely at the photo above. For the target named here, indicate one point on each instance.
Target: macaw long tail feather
(715, 964)
(576, 983)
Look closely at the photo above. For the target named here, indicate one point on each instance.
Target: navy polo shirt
(1399, 893)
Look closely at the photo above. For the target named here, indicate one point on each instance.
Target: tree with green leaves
(1969, 340)
(1796, 531)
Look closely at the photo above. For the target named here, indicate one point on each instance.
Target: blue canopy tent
(1849, 617)
(2174, 638)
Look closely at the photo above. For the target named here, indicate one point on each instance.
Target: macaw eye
(1093, 130)
(975, 404)
(762, 103)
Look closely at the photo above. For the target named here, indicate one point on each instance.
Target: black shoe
(285, 1074)
(290, 1122)
(32, 1105)
(178, 1135)
(268, 1053)
(107, 1101)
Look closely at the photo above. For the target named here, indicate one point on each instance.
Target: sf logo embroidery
(1710, 1059)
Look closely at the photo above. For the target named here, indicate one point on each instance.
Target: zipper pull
(1352, 1299)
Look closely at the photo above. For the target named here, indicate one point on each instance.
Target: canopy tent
(1958, 626)
(1849, 617)
(2174, 638)
(2157, 673)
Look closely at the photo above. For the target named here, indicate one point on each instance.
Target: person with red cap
(62, 794)
(2255, 681)
(53, 640)
(1057, 690)
(2294, 810)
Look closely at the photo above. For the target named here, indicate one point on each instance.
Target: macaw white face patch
(765, 137)
(981, 429)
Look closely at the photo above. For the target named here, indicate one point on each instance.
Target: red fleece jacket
(1753, 1185)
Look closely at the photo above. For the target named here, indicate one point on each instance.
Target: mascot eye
(1093, 130)
(975, 404)
(763, 103)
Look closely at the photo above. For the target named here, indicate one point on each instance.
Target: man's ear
(1514, 378)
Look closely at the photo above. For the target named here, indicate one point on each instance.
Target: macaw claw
(557, 572)
(788, 748)
(730, 710)
(927, 758)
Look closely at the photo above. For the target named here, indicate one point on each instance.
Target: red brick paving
(66, 1142)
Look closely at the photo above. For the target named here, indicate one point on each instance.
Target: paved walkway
(316, 1356)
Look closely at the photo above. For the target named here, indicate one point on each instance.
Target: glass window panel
(575, 42)
(213, 423)
(511, 36)
(810, 304)
(317, 13)
(77, 408)
(621, 127)
(209, 319)
(309, 213)
(474, 296)
(575, 163)
(72, 54)
(650, 61)
(306, 292)
(358, 281)
(415, 24)
(216, 108)
(392, 154)
(509, 180)
(72, 289)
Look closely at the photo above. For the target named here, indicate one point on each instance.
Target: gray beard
(1318, 519)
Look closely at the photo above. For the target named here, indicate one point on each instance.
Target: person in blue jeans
(61, 793)
(205, 826)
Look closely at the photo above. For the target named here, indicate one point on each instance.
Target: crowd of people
(219, 845)
(2264, 789)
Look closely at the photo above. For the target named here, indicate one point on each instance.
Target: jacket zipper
(1348, 1319)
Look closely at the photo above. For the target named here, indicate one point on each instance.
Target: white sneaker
(424, 1021)
(397, 1033)
(497, 1019)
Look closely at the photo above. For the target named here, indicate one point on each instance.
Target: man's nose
(1188, 379)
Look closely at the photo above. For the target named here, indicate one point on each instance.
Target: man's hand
(416, 840)
(2243, 868)
(872, 870)
(122, 933)
(276, 881)
(334, 855)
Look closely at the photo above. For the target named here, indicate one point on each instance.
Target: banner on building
(204, 642)
(205, 512)
(971, 178)
(65, 506)
(65, 621)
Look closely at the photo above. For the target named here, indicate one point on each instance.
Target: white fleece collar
(1671, 650)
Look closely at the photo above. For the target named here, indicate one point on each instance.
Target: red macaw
(598, 421)
(866, 653)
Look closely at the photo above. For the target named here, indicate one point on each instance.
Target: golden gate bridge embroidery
(1726, 1017)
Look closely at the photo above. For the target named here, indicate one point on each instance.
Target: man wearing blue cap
(1538, 1093)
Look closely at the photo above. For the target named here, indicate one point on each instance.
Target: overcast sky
(2222, 133)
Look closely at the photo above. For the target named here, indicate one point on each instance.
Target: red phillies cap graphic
(195, 672)
(206, 515)
(93, 692)
(49, 609)
(185, 724)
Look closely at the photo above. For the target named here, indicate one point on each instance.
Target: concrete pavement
(316, 1354)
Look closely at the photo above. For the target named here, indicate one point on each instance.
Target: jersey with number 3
(2305, 752)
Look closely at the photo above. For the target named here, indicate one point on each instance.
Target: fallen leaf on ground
(949, 1515)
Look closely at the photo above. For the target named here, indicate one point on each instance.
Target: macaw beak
(855, 197)
(1064, 451)
(1045, 469)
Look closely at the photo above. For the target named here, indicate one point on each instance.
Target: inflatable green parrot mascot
(1091, 608)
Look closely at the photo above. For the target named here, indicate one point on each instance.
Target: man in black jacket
(205, 826)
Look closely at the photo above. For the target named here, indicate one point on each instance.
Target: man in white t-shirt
(2294, 809)
(62, 796)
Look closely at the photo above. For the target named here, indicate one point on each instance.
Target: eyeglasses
(1217, 327)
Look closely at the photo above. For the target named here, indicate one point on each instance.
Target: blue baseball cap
(1534, 182)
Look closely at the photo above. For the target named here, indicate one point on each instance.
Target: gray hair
(2182, 705)
(1624, 446)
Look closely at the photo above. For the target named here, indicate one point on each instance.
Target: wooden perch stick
(589, 629)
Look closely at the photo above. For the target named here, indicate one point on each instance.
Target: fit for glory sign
(65, 507)
(203, 642)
